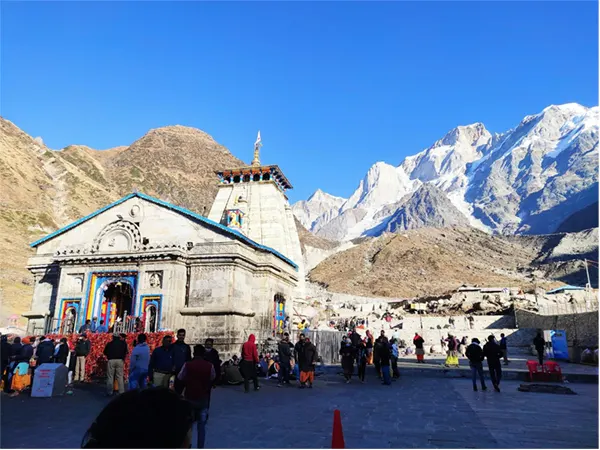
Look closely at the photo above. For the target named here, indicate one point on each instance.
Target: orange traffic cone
(337, 439)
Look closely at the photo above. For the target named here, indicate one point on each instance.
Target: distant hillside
(429, 261)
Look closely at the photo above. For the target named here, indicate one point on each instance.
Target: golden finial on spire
(257, 146)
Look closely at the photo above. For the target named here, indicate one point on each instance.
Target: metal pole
(587, 272)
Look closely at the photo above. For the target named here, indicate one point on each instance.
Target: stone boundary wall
(581, 329)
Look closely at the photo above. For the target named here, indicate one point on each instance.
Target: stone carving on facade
(77, 249)
(121, 236)
(235, 218)
(76, 283)
(155, 279)
(135, 211)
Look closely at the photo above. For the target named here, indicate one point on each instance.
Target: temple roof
(275, 171)
(189, 214)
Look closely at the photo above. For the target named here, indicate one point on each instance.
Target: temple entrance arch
(117, 302)
(151, 312)
(69, 315)
(112, 295)
(151, 319)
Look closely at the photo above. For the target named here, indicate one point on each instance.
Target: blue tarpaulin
(560, 348)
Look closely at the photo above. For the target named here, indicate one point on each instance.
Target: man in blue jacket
(161, 364)
(139, 363)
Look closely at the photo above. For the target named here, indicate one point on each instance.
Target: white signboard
(49, 380)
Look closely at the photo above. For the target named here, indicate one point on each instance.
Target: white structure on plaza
(236, 271)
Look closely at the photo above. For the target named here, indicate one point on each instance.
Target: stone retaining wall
(581, 329)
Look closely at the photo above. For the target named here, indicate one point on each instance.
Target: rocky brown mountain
(436, 261)
(42, 190)
(428, 206)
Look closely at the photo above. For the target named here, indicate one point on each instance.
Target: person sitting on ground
(232, 374)
(263, 366)
(273, 371)
(124, 422)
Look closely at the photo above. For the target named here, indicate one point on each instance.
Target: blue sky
(333, 87)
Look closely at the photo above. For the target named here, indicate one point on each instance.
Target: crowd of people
(176, 372)
(21, 358)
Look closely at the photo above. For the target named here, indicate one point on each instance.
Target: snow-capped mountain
(526, 180)
(320, 203)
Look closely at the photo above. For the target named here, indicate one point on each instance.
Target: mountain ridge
(526, 180)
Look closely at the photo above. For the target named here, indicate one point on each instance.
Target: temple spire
(257, 146)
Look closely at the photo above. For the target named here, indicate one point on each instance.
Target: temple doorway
(69, 321)
(151, 319)
(151, 313)
(117, 302)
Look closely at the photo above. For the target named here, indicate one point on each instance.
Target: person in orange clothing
(369, 342)
(307, 362)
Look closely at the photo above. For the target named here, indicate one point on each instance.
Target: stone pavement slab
(412, 413)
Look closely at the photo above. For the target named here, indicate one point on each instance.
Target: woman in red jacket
(249, 362)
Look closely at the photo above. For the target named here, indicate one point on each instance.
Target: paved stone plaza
(413, 412)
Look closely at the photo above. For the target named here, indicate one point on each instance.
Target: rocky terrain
(426, 207)
(433, 261)
(42, 190)
(528, 180)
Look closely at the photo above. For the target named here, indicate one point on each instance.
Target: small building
(567, 292)
(566, 289)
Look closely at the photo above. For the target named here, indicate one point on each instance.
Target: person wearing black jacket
(475, 355)
(493, 353)
(540, 346)
(384, 355)
(212, 355)
(284, 349)
(161, 366)
(348, 354)
(355, 340)
(182, 353)
(63, 352)
(82, 349)
(115, 351)
(44, 351)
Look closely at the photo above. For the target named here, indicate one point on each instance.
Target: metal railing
(558, 309)
(125, 324)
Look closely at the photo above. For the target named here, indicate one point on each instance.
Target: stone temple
(142, 259)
